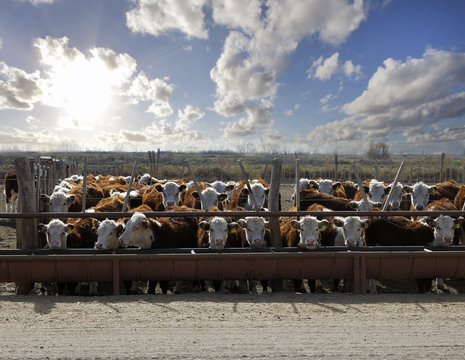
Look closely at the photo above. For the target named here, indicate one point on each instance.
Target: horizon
(332, 76)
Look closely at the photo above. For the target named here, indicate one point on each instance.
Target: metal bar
(246, 177)
(202, 201)
(386, 203)
(126, 199)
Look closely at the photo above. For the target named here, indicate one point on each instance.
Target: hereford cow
(421, 193)
(170, 193)
(459, 200)
(304, 233)
(241, 196)
(11, 192)
(160, 233)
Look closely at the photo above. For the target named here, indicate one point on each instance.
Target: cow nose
(350, 242)
(257, 243)
(448, 240)
(395, 205)
(419, 207)
(98, 246)
(311, 244)
(55, 245)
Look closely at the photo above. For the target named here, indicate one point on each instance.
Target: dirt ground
(397, 323)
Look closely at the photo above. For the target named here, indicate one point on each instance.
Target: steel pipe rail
(190, 214)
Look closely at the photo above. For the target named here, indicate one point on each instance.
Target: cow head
(59, 201)
(309, 231)
(419, 194)
(171, 193)
(444, 227)
(396, 195)
(259, 192)
(363, 205)
(376, 191)
(56, 233)
(255, 228)
(107, 234)
(353, 230)
(211, 198)
(137, 232)
(218, 231)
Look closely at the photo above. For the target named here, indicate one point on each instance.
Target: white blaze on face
(362, 205)
(60, 201)
(444, 228)
(137, 232)
(352, 233)
(211, 197)
(420, 195)
(259, 192)
(56, 233)
(396, 196)
(255, 228)
(107, 235)
(325, 186)
(376, 191)
(145, 179)
(219, 186)
(309, 231)
(171, 194)
(218, 230)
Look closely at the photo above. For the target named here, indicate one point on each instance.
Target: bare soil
(397, 323)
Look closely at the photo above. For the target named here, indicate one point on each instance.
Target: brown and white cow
(11, 192)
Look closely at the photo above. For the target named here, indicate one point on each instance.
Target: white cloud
(21, 137)
(1, 43)
(157, 91)
(324, 70)
(447, 135)
(32, 122)
(404, 97)
(155, 17)
(20, 90)
(238, 14)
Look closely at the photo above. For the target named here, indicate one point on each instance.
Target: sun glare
(84, 89)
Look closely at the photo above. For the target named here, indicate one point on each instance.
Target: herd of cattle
(107, 194)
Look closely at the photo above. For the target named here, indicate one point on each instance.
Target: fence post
(84, 186)
(26, 229)
(273, 205)
(443, 155)
(336, 163)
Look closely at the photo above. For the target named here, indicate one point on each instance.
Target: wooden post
(157, 163)
(393, 186)
(273, 205)
(252, 196)
(336, 165)
(297, 183)
(202, 201)
(26, 229)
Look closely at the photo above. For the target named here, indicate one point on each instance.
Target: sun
(84, 89)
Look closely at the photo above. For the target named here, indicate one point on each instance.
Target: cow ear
(182, 188)
(245, 191)
(69, 228)
(44, 197)
(338, 222)
(242, 223)
(336, 185)
(70, 199)
(433, 189)
(204, 225)
(323, 224)
(408, 188)
(159, 187)
(229, 187)
(354, 204)
(366, 223)
(232, 227)
(267, 225)
(457, 223)
(267, 191)
(195, 194)
(429, 221)
(222, 197)
(296, 224)
(145, 223)
(120, 228)
(387, 189)
(42, 228)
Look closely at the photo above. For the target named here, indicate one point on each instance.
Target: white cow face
(327, 186)
(376, 191)
(59, 201)
(396, 196)
(56, 232)
(353, 230)
(255, 228)
(218, 230)
(107, 234)
(419, 194)
(444, 227)
(211, 198)
(362, 205)
(309, 230)
(259, 192)
(171, 193)
(137, 232)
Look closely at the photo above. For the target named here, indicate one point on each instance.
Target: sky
(316, 76)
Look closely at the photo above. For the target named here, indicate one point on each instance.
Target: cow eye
(439, 228)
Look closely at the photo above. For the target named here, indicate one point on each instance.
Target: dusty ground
(396, 324)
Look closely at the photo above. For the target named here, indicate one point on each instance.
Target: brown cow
(11, 192)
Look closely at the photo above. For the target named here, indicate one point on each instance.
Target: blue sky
(246, 75)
